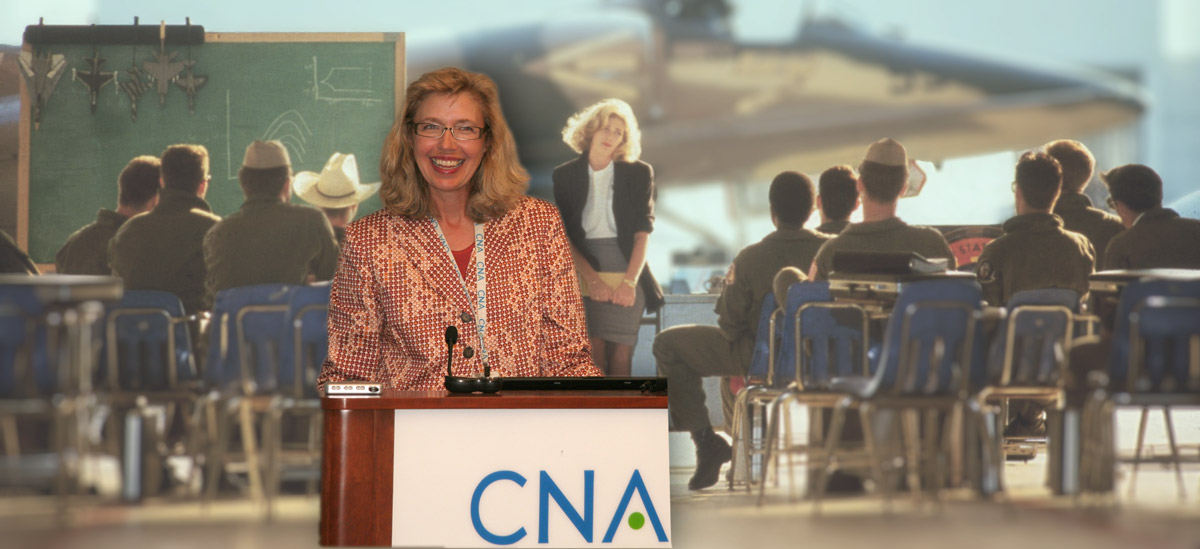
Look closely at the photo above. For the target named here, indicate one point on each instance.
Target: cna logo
(584, 522)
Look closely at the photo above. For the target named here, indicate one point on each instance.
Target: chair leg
(992, 454)
(787, 427)
(12, 443)
(951, 446)
(953, 434)
(814, 444)
(829, 459)
(739, 451)
(1137, 455)
(218, 432)
(273, 452)
(930, 455)
(912, 450)
(866, 416)
(193, 447)
(753, 438)
(771, 438)
(250, 448)
(1174, 452)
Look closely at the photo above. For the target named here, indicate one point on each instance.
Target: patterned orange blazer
(396, 290)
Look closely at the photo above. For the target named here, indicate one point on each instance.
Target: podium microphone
(455, 384)
(451, 339)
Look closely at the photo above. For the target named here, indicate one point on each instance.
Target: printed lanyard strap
(477, 298)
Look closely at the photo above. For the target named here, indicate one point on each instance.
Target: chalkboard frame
(25, 125)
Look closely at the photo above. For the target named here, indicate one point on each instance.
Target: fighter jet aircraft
(713, 108)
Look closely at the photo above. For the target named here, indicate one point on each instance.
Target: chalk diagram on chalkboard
(343, 84)
(289, 127)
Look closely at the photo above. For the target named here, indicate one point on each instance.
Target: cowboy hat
(336, 186)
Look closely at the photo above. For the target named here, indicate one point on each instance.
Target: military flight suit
(833, 226)
(1034, 252)
(1097, 225)
(86, 250)
(268, 241)
(162, 249)
(685, 354)
(889, 235)
(1158, 239)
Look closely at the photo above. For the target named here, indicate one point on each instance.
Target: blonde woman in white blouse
(606, 198)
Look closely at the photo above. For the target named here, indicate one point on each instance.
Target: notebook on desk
(612, 383)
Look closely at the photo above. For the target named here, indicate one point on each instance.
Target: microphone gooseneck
(451, 339)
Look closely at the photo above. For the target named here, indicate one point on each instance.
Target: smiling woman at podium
(457, 244)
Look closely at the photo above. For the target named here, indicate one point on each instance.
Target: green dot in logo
(637, 521)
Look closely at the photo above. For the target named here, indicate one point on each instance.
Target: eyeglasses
(436, 131)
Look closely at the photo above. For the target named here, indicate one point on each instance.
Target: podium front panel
(574, 468)
(531, 478)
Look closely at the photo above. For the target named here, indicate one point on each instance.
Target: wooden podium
(360, 482)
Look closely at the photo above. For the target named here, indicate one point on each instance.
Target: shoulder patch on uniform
(729, 274)
(985, 272)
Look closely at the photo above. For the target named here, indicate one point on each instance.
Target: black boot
(711, 452)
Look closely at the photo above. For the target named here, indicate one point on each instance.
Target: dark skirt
(609, 321)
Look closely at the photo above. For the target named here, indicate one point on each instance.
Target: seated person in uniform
(1155, 237)
(268, 240)
(882, 177)
(783, 280)
(1074, 207)
(86, 250)
(1034, 252)
(837, 199)
(162, 249)
(686, 354)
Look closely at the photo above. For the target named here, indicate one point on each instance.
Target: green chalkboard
(318, 94)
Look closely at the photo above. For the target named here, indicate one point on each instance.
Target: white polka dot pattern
(396, 290)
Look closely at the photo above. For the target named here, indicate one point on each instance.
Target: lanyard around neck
(478, 297)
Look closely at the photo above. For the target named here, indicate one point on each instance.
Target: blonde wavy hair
(495, 188)
(583, 125)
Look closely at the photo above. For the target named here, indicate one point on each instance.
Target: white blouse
(597, 217)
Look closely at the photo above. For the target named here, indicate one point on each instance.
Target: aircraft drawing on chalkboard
(338, 84)
(289, 127)
(292, 130)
